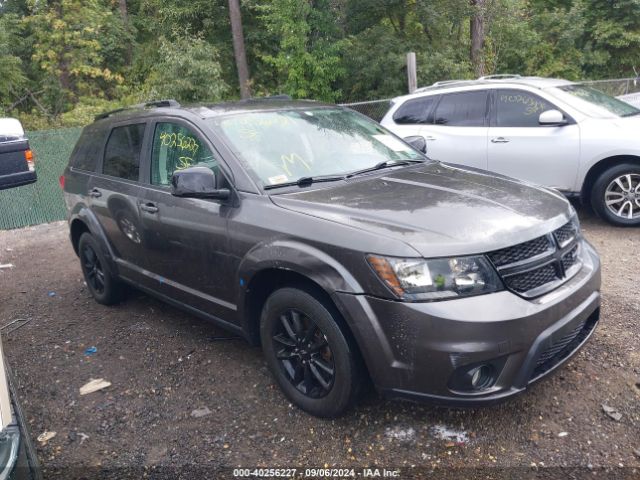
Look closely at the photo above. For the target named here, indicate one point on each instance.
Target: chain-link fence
(374, 109)
(40, 202)
(617, 87)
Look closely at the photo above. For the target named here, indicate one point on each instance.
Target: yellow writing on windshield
(292, 159)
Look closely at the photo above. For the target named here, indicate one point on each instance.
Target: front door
(520, 147)
(186, 238)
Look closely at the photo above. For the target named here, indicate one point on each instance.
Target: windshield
(286, 145)
(595, 103)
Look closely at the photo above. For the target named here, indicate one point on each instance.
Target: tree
(238, 48)
(187, 69)
(309, 60)
(477, 29)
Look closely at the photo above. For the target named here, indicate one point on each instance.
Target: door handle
(95, 193)
(499, 140)
(149, 207)
(429, 138)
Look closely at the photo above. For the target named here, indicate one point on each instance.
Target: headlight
(440, 278)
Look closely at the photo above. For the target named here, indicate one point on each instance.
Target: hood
(628, 123)
(437, 209)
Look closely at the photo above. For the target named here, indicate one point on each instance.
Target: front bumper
(417, 350)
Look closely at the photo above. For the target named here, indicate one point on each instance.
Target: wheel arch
(268, 280)
(600, 167)
(85, 221)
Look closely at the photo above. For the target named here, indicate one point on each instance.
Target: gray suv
(345, 252)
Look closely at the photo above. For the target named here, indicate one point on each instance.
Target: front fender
(301, 258)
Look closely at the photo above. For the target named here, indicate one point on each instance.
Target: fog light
(481, 377)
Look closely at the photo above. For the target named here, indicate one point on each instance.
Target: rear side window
(87, 151)
(176, 147)
(415, 111)
(517, 108)
(464, 109)
(122, 154)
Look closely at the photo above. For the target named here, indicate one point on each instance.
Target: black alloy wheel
(311, 352)
(92, 268)
(304, 354)
(102, 284)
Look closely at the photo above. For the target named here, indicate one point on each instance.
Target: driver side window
(519, 108)
(176, 147)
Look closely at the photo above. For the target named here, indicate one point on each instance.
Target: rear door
(520, 147)
(186, 238)
(114, 195)
(458, 133)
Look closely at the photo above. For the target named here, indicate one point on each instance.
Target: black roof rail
(170, 102)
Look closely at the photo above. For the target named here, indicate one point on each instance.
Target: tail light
(31, 163)
(61, 180)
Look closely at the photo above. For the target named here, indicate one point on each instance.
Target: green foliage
(11, 69)
(308, 63)
(64, 61)
(187, 69)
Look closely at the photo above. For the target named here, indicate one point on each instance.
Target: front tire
(313, 361)
(615, 196)
(102, 284)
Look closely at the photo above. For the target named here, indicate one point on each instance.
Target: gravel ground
(163, 364)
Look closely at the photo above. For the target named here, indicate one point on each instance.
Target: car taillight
(61, 180)
(31, 163)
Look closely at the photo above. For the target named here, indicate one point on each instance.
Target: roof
(535, 82)
(208, 110)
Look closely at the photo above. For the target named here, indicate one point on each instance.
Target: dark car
(17, 166)
(345, 252)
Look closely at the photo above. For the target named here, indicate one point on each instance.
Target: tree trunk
(238, 48)
(125, 21)
(477, 36)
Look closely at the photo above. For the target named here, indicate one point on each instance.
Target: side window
(122, 154)
(87, 151)
(518, 108)
(464, 109)
(415, 111)
(175, 148)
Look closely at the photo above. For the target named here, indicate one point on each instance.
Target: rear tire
(102, 284)
(615, 195)
(315, 363)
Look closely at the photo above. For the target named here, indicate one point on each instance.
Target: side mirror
(552, 117)
(417, 142)
(197, 182)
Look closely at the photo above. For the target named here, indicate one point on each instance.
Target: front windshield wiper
(381, 165)
(631, 114)
(305, 181)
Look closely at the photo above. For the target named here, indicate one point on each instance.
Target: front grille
(566, 234)
(521, 252)
(523, 282)
(571, 258)
(537, 266)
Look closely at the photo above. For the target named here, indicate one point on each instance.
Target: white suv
(551, 132)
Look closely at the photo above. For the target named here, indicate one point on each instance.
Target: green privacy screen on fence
(42, 201)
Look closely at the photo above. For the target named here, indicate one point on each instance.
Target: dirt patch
(164, 364)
